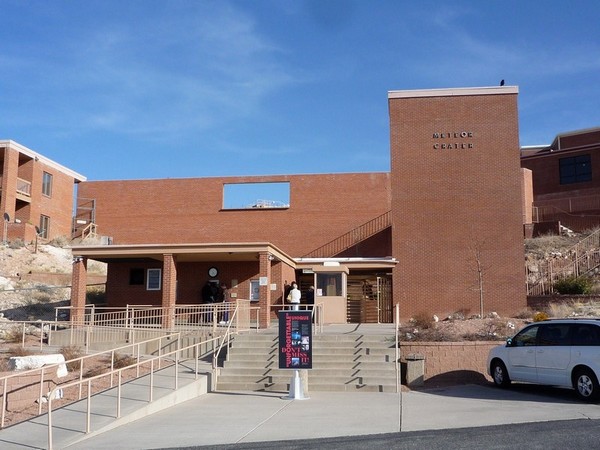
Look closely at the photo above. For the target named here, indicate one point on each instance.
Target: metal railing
(352, 237)
(153, 362)
(24, 187)
(397, 346)
(181, 317)
(38, 376)
(575, 261)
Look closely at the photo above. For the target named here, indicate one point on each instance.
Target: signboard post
(295, 347)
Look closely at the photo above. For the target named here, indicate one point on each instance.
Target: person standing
(224, 299)
(294, 297)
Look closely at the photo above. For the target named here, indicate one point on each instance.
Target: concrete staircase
(341, 362)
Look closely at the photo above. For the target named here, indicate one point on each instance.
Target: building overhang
(386, 263)
(454, 92)
(209, 252)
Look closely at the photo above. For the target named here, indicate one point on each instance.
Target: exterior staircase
(581, 259)
(353, 237)
(341, 362)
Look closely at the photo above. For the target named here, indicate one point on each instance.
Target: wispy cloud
(206, 65)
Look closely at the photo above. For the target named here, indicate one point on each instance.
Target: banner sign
(295, 340)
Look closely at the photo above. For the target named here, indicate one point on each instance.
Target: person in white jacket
(294, 297)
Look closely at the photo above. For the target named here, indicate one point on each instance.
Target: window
(526, 338)
(257, 196)
(47, 184)
(556, 334)
(576, 169)
(154, 278)
(44, 226)
(330, 284)
(136, 276)
(586, 335)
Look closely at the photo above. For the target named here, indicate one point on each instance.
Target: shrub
(72, 352)
(59, 241)
(422, 320)
(540, 316)
(16, 244)
(561, 309)
(123, 361)
(14, 335)
(96, 296)
(525, 313)
(574, 286)
(95, 371)
(19, 351)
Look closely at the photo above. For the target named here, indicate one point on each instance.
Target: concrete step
(316, 351)
(349, 371)
(346, 362)
(285, 387)
(317, 359)
(321, 380)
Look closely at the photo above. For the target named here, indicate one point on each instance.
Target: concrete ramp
(69, 422)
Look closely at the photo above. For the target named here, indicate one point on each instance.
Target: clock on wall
(213, 272)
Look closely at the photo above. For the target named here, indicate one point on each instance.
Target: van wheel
(586, 385)
(500, 375)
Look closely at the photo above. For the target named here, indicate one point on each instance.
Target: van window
(554, 334)
(586, 334)
(526, 338)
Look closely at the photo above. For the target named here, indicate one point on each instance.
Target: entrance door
(384, 299)
(369, 299)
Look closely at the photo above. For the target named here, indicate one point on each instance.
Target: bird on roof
(501, 82)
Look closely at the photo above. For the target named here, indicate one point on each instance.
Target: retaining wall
(455, 362)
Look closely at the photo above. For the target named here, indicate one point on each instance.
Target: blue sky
(157, 89)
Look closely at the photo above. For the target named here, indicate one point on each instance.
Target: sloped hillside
(34, 281)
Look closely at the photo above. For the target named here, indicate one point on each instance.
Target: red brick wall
(58, 206)
(322, 207)
(191, 278)
(449, 203)
(546, 174)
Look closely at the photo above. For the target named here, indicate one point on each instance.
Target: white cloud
(206, 64)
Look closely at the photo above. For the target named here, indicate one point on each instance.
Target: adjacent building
(36, 194)
(566, 185)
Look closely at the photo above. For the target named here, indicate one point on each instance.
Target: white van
(563, 353)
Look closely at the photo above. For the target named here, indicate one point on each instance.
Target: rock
(37, 361)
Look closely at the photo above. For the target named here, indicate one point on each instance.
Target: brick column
(78, 290)
(264, 270)
(169, 290)
(9, 183)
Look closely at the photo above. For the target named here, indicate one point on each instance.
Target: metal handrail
(352, 237)
(397, 346)
(552, 270)
(176, 352)
(77, 361)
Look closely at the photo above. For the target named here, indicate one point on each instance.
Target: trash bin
(415, 370)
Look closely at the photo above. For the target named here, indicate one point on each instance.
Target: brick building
(451, 204)
(37, 194)
(566, 186)
(456, 200)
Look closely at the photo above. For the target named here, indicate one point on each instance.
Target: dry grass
(14, 335)
(422, 320)
(122, 361)
(72, 352)
(19, 351)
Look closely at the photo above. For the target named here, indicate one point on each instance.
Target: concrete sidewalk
(229, 418)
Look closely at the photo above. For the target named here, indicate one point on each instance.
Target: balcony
(23, 187)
